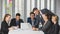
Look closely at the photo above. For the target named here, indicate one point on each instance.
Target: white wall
(0, 12)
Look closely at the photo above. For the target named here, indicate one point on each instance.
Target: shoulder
(3, 22)
(28, 18)
(21, 19)
(49, 23)
(13, 18)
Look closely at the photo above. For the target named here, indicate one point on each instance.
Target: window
(38, 4)
(24, 8)
(28, 7)
(52, 6)
(42, 4)
(48, 4)
(19, 7)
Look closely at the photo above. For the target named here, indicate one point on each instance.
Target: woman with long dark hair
(47, 24)
(4, 25)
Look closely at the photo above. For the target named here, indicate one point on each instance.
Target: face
(54, 18)
(36, 11)
(32, 16)
(17, 17)
(44, 17)
(8, 18)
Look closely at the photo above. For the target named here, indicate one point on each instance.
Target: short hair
(34, 9)
(18, 14)
(32, 13)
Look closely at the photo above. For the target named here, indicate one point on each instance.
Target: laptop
(26, 26)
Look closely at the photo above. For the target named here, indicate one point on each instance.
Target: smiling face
(17, 18)
(54, 18)
(8, 18)
(32, 16)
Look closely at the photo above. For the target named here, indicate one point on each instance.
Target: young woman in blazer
(4, 25)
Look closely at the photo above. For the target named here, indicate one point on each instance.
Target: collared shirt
(32, 22)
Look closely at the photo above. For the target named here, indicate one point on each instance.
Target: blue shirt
(32, 22)
(17, 23)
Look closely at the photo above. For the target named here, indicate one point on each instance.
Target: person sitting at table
(32, 20)
(55, 27)
(16, 21)
(4, 25)
(47, 24)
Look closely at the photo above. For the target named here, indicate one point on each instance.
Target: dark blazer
(47, 27)
(39, 19)
(54, 29)
(4, 27)
(13, 22)
(35, 22)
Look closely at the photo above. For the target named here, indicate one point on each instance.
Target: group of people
(44, 17)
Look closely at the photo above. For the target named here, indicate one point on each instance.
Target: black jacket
(54, 29)
(13, 22)
(50, 28)
(39, 19)
(35, 22)
(47, 27)
(4, 27)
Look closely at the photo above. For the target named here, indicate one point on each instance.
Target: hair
(45, 10)
(6, 15)
(18, 14)
(32, 13)
(55, 16)
(48, 16)
(34, 9)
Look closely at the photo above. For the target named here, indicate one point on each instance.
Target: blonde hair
(56, 17)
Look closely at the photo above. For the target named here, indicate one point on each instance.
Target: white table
(19, 31)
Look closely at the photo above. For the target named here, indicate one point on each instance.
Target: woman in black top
(4, 25)
(47, 24)
(55, 27)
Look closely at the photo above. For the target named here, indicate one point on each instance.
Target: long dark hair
(6, 15)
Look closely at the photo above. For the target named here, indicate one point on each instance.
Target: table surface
(20, 31)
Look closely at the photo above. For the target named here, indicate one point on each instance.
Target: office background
(24, 7)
